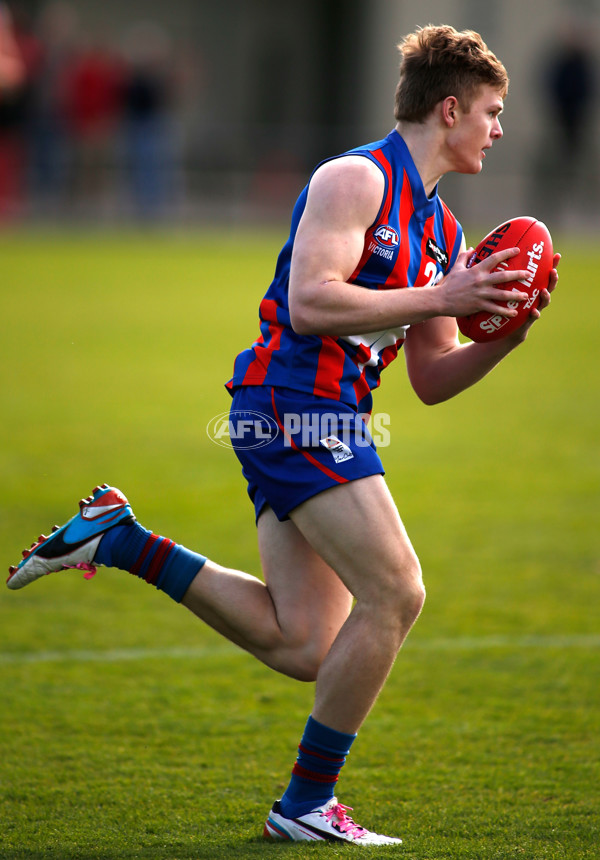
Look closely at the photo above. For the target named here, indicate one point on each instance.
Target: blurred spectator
(12, 67)
(565, 172)
(571, 89)
(13, 76)
(58, 33)
(93, 86)
(148, 127)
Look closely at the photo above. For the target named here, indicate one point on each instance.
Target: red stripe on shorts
(329, 472)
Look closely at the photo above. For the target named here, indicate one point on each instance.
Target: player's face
(476, 131)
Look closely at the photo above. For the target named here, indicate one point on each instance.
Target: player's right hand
(469, 289)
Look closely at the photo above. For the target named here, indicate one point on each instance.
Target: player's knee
(304, 663)
(405, 595)
(307, 670)
(412, 603)
(299, 653)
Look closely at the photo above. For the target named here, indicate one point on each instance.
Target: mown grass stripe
(461, 643)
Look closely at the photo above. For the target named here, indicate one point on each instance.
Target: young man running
(375, 261)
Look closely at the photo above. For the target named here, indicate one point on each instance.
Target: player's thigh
(358, 532)
(311, 601)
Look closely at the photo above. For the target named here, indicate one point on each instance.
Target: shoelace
(90, 569)
(344, 823)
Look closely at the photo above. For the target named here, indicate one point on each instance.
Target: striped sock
(321, 756)
(157, 560)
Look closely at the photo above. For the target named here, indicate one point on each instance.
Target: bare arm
(343, 201)
(439, 366)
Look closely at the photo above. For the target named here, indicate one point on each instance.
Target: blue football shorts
(293, 445)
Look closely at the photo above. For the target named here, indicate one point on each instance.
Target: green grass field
(131, 731)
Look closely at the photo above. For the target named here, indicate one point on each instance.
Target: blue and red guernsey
(413, 242)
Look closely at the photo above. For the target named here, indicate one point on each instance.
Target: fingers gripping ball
(535, 255)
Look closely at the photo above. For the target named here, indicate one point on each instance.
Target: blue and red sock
(157, 560)
(321, 756)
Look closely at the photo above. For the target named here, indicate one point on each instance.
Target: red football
(535, 243)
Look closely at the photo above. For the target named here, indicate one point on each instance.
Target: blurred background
(186, 111)
(138, 139)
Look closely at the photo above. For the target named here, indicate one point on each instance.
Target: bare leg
(290, 620)
(357, 529)
(299, 621)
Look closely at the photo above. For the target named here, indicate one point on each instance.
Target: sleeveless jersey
(413, 242)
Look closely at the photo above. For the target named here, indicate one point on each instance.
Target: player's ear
(449, 109)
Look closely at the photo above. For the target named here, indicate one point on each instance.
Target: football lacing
(344, 823)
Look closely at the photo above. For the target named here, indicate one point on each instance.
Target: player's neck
(425, 147)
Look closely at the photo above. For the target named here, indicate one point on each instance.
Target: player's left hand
(545, 298)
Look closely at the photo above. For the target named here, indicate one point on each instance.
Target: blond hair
(440, 61)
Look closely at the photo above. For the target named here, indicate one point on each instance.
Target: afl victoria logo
(386, 236)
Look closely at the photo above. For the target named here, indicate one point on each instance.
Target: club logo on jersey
(386, 236)
(436, 253)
